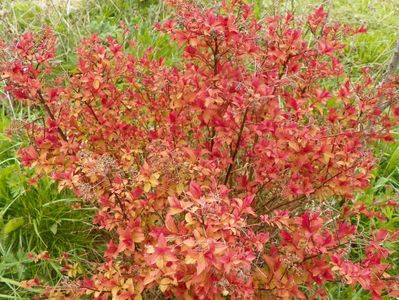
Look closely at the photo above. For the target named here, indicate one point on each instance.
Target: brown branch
(212, 138)
(237, 146)
(49, 112)
(118, 201)
(121, 206)
(92, 112)
(394, 64)
(303, 197)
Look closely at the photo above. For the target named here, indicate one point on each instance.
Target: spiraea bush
(229, 174)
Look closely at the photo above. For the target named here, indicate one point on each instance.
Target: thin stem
(43, 102)
(119, 201)
(92, 112)
(237, 146)
(303, 197)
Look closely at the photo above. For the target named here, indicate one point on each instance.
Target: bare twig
(394, 65)
(237, 146)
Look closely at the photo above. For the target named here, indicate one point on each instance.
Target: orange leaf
(201, 264)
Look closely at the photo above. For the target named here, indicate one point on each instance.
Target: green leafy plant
(38, 220)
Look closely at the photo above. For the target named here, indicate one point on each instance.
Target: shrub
(231, 173)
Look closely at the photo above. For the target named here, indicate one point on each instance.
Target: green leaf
(35, 227)
(393, 161)
(331, 102)
(13, 225)
(54, 228)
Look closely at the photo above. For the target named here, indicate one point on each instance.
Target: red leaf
(195, 190)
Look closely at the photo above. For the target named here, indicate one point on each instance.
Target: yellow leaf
(160, 262)
(193, 42)
(176, 100)
(386, 275)
(163, 285)
(93, 178)
(189, 219)
(207, 115)
(138, 297)
(189, 243)
(190, 260)
(138, 237)
(152, 219)
(154, 182)
(156, 175)
(335, 268)
(147, 187)
(150, 277)
(179, 188)
(170, 224)
(154, 179)
(96, 84)
(201, 264)
(150, 249)
(294, 145)
(114, 292)
(173, 211)
(327, 156)
(128, 285)
(74, 271)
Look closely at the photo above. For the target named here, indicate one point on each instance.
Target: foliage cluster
(230, 173)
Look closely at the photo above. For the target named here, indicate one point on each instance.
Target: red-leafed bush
(230, 174)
